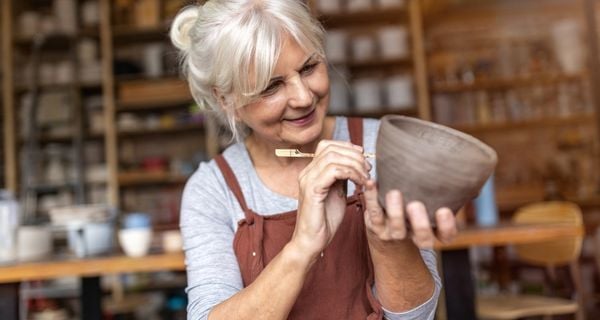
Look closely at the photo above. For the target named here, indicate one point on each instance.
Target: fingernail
(414, 205)
(446, 214)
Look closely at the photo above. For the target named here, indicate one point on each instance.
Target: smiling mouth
(305, 116)
(304, 119)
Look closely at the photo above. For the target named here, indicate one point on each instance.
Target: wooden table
(459, 285)
(456, 267)
(89, 269)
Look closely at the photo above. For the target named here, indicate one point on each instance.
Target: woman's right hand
(322, 198)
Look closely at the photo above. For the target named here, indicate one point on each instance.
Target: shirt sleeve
(428, 308)
(207, 229)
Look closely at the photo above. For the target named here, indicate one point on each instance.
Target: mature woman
(274, 238)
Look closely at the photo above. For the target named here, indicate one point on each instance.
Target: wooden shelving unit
(169, 125)
(536, 117)
(406, 16)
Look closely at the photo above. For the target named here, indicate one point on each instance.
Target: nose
(300, 94)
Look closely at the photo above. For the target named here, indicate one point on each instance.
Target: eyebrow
(281, 78)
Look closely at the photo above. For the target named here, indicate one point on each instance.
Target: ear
(224, 104)
(220, 97)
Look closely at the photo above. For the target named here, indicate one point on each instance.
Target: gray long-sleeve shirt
(209, 216)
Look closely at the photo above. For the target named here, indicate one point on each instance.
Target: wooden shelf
(374, 16)
(55, 41)
(503, 84)
(22, 88)
(154, 104)
(378, 63)
(378, 114)
(526, 124)
(65, 138)
(131, 34)
(176, 129)
(140, 178)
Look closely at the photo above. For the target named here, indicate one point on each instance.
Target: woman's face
(291, 110)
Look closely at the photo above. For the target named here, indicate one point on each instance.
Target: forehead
(291, 56)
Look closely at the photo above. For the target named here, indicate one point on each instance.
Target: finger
(333, 172)
(446, 224)
(374, 216)
(343, 149)
(338, 157)
(395, 215)
(423, 235)
(324, 144)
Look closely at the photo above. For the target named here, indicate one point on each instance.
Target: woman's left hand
(391, 225)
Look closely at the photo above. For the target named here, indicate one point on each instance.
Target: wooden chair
(549, 254)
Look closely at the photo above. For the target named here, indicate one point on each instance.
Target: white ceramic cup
(29, 23)
(329, 6)
(153, 60)
(358, 5)
(393, 41)
(363, 48)
(399, 92)
(391, 3)
(34, 242)
(339, 99)
(65, 12)
(135, 242)
(172, 241)
(335, 46)
(366, 93)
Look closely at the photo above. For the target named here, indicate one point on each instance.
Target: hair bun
(181, 26)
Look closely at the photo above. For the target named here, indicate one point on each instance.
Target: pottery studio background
(90, 88)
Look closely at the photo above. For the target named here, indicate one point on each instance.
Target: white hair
(229, 49)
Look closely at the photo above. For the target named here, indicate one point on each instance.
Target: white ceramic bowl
(135, 242)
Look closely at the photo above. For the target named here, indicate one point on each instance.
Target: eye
(271, 88)
(309, 68)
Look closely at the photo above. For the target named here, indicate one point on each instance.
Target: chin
(312, 134)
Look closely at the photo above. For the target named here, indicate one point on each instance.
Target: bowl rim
(489, 151)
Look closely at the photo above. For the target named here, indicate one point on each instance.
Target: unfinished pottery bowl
(431, 163)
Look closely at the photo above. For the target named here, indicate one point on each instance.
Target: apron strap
(355, 126)
(233, 184)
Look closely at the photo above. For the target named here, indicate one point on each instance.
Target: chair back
(557, 252)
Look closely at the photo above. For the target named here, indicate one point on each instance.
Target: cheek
(264, 112)
(320, 85)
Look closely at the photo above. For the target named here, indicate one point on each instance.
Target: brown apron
(338, 286)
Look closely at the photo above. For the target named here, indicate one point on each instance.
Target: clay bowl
(434, 164)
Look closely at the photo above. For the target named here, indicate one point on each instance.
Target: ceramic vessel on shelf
(136, 235)
(434, 164)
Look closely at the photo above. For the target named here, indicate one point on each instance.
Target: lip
(304, 120)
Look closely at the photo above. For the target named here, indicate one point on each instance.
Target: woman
(274, 238)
